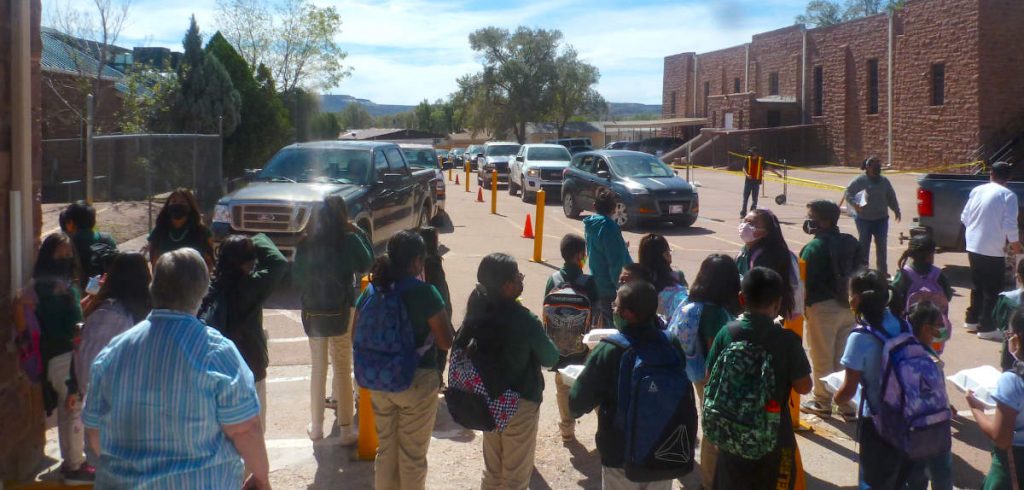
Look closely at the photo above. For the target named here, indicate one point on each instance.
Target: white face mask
(747, 232)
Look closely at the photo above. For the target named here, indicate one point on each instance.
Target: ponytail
(871, 287)
(402, 251)
(381, 272)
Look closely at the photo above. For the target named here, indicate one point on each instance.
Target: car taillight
(924, 202)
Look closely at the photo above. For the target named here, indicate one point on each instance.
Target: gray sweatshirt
(880, 196)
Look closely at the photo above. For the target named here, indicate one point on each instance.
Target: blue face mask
(620, 323)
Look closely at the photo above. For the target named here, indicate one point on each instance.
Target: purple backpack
(927, 288)
(29, 355)
(914, 414)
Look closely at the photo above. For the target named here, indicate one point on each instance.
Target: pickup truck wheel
(512, 187)
(424, 220)
(569, 206)
(528, 197)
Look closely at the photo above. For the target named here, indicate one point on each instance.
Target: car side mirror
(479, 155)
(250, 174)
(391, 179)
(604, 174)
(519, 158)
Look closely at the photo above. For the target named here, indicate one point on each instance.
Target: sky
(405, 51)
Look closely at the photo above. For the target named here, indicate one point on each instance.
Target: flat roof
(657, 123)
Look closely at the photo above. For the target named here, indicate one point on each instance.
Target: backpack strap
(933, 275)
(558, 280)
(618, 340)
(581, 282)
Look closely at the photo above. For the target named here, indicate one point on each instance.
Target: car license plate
(675, 209)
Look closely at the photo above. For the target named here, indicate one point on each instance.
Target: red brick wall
(739, 105)
(1001, 55)
(719, 68)
(678, 78)
(779, 52)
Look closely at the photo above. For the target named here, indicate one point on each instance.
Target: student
(248, 271)
(633, 272)
(433, 267)
(1006, 426)
(928, 323)
(94, 249)
(1007, 303)
(919, 281)
(405, 419)
(881, 465)
(634, 311)
(762, 290)
(655, 254)
(714, 299)
(765, 246)
(831, 257)
(574, 253)
(180, 224)
(607, 251)
(515, 337)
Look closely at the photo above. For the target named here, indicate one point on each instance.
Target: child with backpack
(754, 355)
(1007, 303)
(400, 323)
(433, 267)
(928, 322)
(647, 421)
(569, 299)
(713, 302)
(632, 272)
(1006, 426)
(921, 281)
(905, 417)
(655, 254)
(507, 346)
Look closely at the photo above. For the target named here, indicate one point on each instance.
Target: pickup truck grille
(269, 218)
(551, 174)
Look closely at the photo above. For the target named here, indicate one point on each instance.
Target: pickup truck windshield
(318, 165)
(644, 166)
(420, 158)
(501, 150)
(558, 154)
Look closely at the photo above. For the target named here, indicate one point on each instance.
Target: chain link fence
(134, 167)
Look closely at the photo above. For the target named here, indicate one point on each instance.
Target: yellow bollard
(538, 229)
(494, 192)
(449, 174)
(366, 448)
(467, 176)
(797, 326)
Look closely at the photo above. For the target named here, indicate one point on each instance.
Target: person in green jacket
(248, 271)
(78, 220)
(608, 253)
(1006, 304)
(327, 264)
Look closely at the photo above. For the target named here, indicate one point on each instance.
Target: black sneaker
(84, 475)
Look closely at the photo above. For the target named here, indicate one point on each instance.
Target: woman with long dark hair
(122, 302)
(764, 246)
(180, 224)
(55, 284)
(328, 261)
(655, 254)
(405, 418)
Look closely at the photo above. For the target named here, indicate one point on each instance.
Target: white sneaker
(315, 435)
(995, 335)
(349, 436)
(971, 327)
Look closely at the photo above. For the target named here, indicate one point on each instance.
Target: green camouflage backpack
(740, 415)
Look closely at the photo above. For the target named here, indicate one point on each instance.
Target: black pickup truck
(384, 195)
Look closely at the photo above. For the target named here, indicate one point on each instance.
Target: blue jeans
(879, 229)
(751, 188)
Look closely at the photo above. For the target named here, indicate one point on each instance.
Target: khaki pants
(708, 450)
(405, 421)
(508, 455)
(615, 479)
(70, 431)
(566, 424)
(340, 350)
(828, 325)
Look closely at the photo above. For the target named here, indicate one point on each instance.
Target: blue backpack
(656, 409)
(384, 343)
(685, 326)
(914, 414)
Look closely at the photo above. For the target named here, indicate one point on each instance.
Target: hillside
(335, 103)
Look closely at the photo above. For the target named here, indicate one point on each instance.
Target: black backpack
(847, 257)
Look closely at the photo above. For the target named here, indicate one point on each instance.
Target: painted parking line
(287, 379)
(288, 340)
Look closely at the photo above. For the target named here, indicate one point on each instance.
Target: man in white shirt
(990, 219)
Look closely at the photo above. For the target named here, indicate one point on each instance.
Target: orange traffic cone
(480, 194)
(528, 229)
(456, 179)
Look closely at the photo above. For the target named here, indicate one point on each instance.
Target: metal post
(467, 176)
(195, 163)
(89, 163)
(494, 192)
(538, 235)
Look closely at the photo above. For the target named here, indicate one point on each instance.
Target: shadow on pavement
(537, 481)
(676, 230)
(446, 428)
(586, 462)
(959, 276)
(336, 468)
(816, 484)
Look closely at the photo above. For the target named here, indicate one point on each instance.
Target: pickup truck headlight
(532, 172)
(222, 213)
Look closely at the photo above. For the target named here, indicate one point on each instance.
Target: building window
(707, 93)
(773, 83)
(819, 91)
(773, 119)
(873, 86)
(735, 85)
(672, 105)
(938, 84)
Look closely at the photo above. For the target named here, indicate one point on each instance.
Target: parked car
(940, 200)
(442, 158)
(571, 142)
(472, 153)
(383, 194)
(660, 145)
(647, 189)
(421, 157)
(536, 167)
(496, 157)
(579, 149)
(455, 157)
(616, 145)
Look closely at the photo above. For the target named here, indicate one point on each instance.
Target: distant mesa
(335, 103)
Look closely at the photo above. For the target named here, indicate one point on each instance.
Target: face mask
(747, 232)
(942, 334)
(810, 226)
(64, 266)
(177, 211)
(620, 323)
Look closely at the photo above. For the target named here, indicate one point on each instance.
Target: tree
(302, 106)
(572, 90)
(147, 99)
(355, 116)
(207, 100)
(325, 126)
(296, 41)
(822, 13)
(264, 124)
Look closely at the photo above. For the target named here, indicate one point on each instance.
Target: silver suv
(536, 167)
(496, 156)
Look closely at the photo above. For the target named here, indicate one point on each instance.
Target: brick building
(957, 90)
(21, 423)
